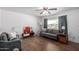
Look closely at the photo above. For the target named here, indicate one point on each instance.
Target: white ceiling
(31, 10)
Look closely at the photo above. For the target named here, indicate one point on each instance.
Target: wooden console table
(62, 38)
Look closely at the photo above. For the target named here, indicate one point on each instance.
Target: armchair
(27, 31)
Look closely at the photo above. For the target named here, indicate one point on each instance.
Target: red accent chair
(26, 32)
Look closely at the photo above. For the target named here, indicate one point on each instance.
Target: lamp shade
(63, 27)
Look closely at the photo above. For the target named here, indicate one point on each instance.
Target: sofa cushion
(49, 31)
(50, 34)
(52, 31)
(4, 36)
(55, 31)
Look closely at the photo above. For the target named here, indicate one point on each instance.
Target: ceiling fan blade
(38, 9)
(41, 12)
(52, 9)
(49, 12)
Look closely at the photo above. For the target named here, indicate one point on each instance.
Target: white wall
(73, 23)
(11, 19)
(17, 20)
(0, 18)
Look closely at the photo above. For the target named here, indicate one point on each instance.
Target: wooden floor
(45, 44)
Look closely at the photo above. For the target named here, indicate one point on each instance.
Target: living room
(39, 20)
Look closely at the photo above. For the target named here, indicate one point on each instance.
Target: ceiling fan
(45, 10)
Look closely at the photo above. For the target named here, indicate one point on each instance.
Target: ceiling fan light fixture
(45, 13)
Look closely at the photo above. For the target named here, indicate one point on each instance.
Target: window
(52, 24)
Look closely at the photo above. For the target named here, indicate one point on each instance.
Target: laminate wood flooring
(45, 44)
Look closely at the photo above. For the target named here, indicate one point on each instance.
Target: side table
(62, 38)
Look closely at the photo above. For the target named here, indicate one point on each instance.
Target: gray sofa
(52, 34)
(8, 44)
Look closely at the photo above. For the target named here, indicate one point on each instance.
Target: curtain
(45, 23)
